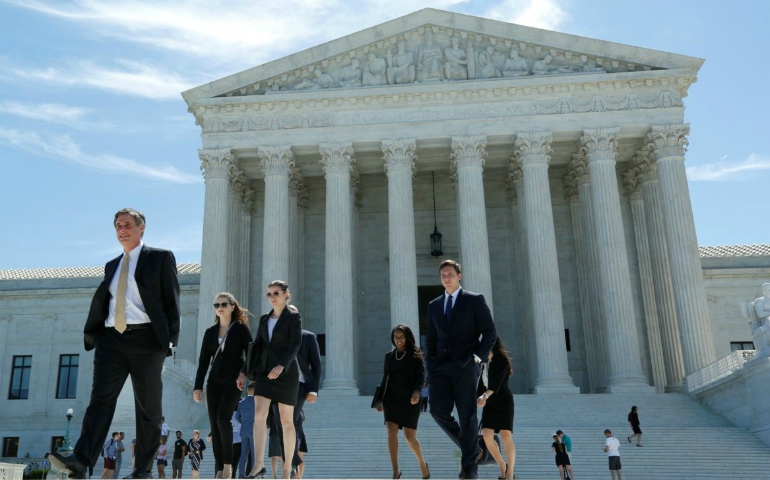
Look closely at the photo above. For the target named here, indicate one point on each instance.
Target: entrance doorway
(425, 294)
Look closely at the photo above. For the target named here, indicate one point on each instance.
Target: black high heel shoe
(506, 473)
(428, 469)
(259, 474)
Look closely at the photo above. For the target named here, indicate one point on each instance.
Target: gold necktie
(120, 297)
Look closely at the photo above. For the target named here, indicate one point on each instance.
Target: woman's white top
(270, 326)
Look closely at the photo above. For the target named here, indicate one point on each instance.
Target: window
(68, 376)
(10, 446)
(56, 443)
(19, 389)
(321, 343)
(741, 346)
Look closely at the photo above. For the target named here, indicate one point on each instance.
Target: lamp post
(435, 237)
(66, 447)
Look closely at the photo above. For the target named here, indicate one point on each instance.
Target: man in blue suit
(461, 332)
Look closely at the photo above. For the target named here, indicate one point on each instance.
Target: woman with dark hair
(633, 421)
(280, 335)
(497, 400)
(402, 380)
(223, 349)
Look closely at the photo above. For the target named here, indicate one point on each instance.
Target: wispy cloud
(62, 147)
(228, 33)
(75, 117)
(727, 170)
(128, 78)
(547, 14)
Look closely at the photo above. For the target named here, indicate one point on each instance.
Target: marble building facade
(558, 165)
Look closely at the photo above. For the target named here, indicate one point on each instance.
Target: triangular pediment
(431, 46)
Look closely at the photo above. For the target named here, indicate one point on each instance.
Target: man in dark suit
(133, 323)
(461, 333)
(309, 360)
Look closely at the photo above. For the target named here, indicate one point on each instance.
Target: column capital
(668, 140)
(469, 151)
(399, 154)
(249, 197)
(571, 186)
(579, 165)
(337, 158)
(644, 162)
(355, 186)
(216, 162)
(601, 144)
(632, 182)
(295, 181)
(514, 179)
(453, 174)
(533, 147)
(275, 160)
(238, 181)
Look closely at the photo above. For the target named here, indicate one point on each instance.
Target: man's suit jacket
(156, 278)
(309, 359)
(458, 339)
(287, 338)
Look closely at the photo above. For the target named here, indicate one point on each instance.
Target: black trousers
(298, 423)
(236, 459)
(221, 398)
(135, 353)
(453, 386)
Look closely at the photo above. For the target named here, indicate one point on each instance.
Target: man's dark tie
(448, 309)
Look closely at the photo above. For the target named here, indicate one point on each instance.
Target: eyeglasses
(274, 294)
(223, 305)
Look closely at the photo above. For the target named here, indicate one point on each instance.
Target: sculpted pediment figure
(438, 46)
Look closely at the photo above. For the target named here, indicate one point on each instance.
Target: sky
(91, 117)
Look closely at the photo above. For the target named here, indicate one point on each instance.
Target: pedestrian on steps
(633, 421)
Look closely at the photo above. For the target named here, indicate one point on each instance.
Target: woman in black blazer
(497, 400)
(223, 349)
(280, 333)
(402, 380)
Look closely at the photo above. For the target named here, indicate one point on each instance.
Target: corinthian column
(337, 160)
(631, 182)
(579, 164)
(295, 234)
(276, 163)
(468, 154)
(516, 179)
(216, 165)
(571, 190)
(623, 344)
(534, 150)
(664, 288)
(399, 160)
(245, 245)
(235, 263)
(670, 143)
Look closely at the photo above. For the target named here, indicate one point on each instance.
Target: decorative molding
(296, 182)
(249, 196)
(579, 165)
(399, 154)
(644, 162)
(668, 140)
(469, 151)
(631, 182)
(601, 144)
(238, 182)
(275, 160)
(216, 163)
(337, 158)
(571, 186)
(533, 147)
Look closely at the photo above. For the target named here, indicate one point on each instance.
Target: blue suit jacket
(458, 339)
(309, 359)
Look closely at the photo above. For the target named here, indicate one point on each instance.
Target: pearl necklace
(402, 355)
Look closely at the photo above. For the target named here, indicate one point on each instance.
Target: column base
(678, 388)
(631, 388)
(340, 386)
(559, 384)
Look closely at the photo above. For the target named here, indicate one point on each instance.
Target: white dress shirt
(135, 311)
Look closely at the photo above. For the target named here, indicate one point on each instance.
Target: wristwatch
(485, 395)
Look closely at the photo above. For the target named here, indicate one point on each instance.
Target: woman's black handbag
(379, 394)
(255, 359)
(486, 458)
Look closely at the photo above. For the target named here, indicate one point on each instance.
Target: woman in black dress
(280, 334)
(497, 400)
(633, 421)
(223, 349)
(562, 459)
(402, 380)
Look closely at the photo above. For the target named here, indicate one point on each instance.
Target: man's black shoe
(139, 474)
(70, 464)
